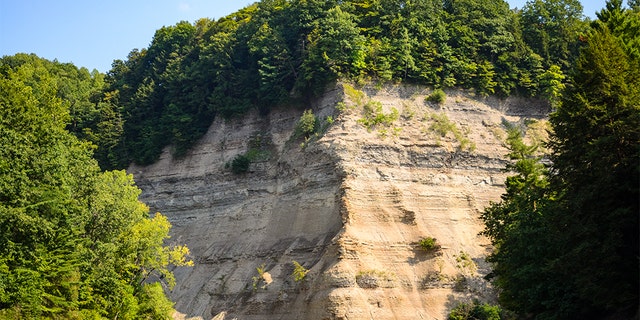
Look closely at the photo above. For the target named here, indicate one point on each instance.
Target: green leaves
(567, 239)
(74, 242)
(595, 151)
(551, 29)
(335, 49)
(275, 53)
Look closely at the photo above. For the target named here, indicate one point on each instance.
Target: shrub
(299, 272)
(465, 262)
(307, 124)
(429, 244)
(259, 278)
(475, 310)
(437, 96)
(373, 115)
(341, 106)
(442, 125)
(356, 96)
(240, 164)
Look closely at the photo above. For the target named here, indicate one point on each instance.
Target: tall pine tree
(596, 148)
(568, 248)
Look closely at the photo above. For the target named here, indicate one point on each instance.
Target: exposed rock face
(350, 206)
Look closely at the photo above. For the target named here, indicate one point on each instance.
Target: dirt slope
(349, 205)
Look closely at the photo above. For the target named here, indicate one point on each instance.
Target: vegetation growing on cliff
(277, 52)
(76, 243)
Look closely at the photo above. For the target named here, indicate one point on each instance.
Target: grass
(356, 96)
(374, 116)
(465, 262)
(373, 278)
(441, 125)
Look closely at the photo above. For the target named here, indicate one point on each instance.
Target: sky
(93, 33)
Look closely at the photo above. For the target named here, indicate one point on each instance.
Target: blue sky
(93, 33)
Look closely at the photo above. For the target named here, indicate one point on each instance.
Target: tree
(520, 234)
(335, 49)
(567, 239)
(74, 242)
(275, 65)
(551, 83)
(279, 52)
(595, 154)
(551, 28)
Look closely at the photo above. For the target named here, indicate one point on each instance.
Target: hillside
(349, 205)
(306, 200)
(277, 53)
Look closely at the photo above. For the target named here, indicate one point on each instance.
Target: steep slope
(350, 206)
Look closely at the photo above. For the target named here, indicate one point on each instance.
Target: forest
(281, 52)
(76, 243)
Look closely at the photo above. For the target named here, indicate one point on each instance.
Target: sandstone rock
(347, 206)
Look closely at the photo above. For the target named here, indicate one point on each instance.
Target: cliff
(350, 205)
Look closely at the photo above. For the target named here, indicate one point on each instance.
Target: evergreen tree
(567, 247)
(595, 154)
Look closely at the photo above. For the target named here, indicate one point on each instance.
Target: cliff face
(350, 206)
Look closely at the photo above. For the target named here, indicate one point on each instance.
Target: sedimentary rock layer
(349, 204)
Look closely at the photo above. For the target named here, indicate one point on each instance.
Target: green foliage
(307, 125)
(336, 49)
(551, 28)
(299, 272)
(256, 280)
(356, 96)
(257, 151)
(92, 115)
(437, 96)
(595, 149)
(475, 311)
(374, 116)
(74, 242)
(443, 126)
(565, 245)
(154, 304)
(240, 164)
(428, 244)
(274, 53)
(465, 263)
(551, 83)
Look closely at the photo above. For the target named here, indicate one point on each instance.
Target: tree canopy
(75, 242)
(566, 236)
(278, 52)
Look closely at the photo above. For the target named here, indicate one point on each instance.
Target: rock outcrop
(349, 204)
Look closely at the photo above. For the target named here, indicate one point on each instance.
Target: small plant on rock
(299, 272)
(356, 96)
(429, 244)
(373, 115)
(259, 279)
(240, 164)
(442, 126)
(437, 96)
(465, 262)
(307, 125)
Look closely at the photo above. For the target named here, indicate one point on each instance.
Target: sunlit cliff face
(349, 203)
